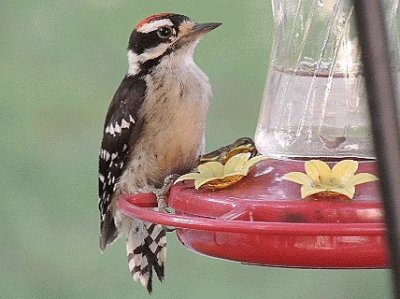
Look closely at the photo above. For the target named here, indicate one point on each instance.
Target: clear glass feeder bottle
(315, 104)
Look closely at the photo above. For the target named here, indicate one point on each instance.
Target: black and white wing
(120, 129)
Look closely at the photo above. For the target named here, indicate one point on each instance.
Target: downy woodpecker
(154, 128)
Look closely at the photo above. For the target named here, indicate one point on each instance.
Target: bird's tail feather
(146, 250)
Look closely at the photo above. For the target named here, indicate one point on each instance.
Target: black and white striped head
(161, 35)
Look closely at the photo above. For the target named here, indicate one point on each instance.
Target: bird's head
(161, 35)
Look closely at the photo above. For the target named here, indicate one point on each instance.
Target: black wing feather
(116, 147)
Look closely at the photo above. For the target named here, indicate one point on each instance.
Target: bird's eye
(165, 32)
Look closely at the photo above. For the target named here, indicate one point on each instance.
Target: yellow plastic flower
(215, 175)
(319, 178)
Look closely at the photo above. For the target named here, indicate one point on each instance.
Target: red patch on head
(153, 18)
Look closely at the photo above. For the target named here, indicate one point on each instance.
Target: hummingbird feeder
(313, 199)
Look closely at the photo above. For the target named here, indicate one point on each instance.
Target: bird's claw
(162, 193)
(223, 154)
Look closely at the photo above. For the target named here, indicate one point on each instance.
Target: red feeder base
(263, 220)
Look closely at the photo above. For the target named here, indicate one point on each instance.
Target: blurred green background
(61, 62)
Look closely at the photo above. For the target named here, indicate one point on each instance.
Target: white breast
(174, 113)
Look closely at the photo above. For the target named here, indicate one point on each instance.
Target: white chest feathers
(174, 115)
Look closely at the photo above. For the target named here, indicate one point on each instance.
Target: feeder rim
(140, 206)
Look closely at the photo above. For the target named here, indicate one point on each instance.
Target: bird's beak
(201, 28)
(197, 30)
(194, 32)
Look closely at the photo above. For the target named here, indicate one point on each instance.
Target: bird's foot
(162, 193)
(223, 154)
